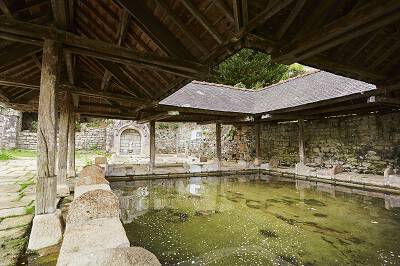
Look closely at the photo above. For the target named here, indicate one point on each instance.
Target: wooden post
(301, 141)
(257, 161)
(71, 143)
(63, 134)
(47, 124)
(218, 142)
(152, 145)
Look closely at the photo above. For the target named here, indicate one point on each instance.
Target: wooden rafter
(155, 29)
(225, 8)
(203, 20)
(188, 33)
(157, 116)
(292, 16)
(35, 34)
(20, 83)
(356, 23)
(63, 17)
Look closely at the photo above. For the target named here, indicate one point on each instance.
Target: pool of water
(242, 221)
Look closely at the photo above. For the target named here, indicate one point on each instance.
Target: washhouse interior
(188, 132)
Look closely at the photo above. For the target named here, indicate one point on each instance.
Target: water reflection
(237, 220)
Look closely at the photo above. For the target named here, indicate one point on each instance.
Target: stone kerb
(91, 177)
(117, 257)
(93, 204)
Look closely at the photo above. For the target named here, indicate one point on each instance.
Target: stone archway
(130, 142)
(130, 134)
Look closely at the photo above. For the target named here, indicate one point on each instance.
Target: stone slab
(79, 190)
(93, 205)
(116, 257)
(92, 236)
(46, 231)
(12, 212)
(16, 221)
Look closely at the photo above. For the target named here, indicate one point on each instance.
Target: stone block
(62, 190)
(90, 175)
(79, 190)
(46, 231)
(388, 171)
(273, 163)
(100, 160)
(116, 257)
(194, 168)
(203, 159)
(116, 171)
(336, 169)
(91, 236)
(93, 205)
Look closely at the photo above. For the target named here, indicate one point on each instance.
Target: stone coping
(348, 180)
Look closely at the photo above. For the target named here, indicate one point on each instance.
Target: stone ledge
(92, 236)
(46, 231)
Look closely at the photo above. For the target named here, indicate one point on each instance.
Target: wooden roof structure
(122, 57)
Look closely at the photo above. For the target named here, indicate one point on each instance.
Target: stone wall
(27, 140)
(366, 143)
(90, 139)
(10, 124)
(86, 139)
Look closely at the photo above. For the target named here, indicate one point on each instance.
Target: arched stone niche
(117, 129)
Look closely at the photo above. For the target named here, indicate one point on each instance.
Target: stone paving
(17, 178)
(17, 195)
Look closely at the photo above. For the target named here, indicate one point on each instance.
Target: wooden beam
(225, 8)
(356, 23)
(257, 131)
(75, 90)
(61, 14)
(385, 55)
(14, 52)
(261, 44)
(218, 142)
(152, 161)
(344, 68)
(122, 29)
(155, 29)
(260, 19)
(301, 141)
(71, 141)
(63, 133)
(46, 138)
(245, 13)
(237, 14)
(188, 33)
(116, 72)
(203, 20)
(384, 100)
(158, 116)
(4, 8)
(35, 34)
(292, 16)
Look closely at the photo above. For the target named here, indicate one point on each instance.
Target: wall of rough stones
(10, 124)
(365, 143)
(86, 139)
(90, 139)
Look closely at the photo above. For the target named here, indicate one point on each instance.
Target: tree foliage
(252, 70)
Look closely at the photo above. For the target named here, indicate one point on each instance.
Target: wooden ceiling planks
(359, 39)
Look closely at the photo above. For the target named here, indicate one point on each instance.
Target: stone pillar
(218, 142)
(63, 133)
(46, 228)
(257, 130)
(71, 144)
(301, 141)
(152, 145)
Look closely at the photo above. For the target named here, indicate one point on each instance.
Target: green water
(239, 221)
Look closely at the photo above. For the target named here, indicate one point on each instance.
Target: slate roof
(309, 88)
